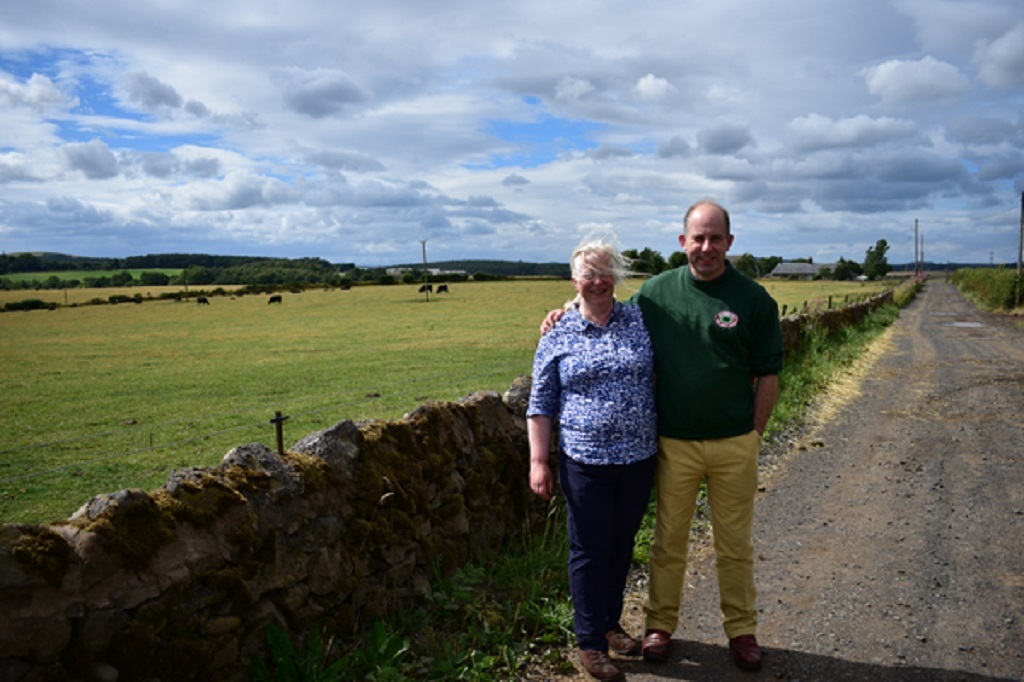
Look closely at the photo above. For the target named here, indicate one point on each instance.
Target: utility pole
(1020, 252)
(916, 258)
(426, 291)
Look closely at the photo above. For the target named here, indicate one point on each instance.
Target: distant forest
(209, 270)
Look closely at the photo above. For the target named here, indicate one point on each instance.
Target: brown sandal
(599, 666)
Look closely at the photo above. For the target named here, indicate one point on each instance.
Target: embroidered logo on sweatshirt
(727, 319)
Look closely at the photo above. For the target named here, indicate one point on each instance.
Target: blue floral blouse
(598, 383)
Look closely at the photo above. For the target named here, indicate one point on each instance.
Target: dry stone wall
(180, 583)
(797, 328)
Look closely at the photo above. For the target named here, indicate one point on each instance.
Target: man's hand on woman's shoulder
(551, 320)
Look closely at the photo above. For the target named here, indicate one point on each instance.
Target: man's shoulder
(735, 278)
(663, 279)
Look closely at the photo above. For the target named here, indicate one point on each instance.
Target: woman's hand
(542, 483)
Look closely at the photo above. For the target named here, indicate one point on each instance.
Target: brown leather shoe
(622, 644)
(745, 652)
(655, 647)
(599, 666)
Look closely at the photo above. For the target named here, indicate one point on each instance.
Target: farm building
(799, 270)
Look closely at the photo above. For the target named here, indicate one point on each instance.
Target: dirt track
(890, 531)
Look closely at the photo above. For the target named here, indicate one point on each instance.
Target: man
(717, 356)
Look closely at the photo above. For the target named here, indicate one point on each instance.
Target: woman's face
(594, 279)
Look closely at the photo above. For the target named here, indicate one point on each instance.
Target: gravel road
(890, 528)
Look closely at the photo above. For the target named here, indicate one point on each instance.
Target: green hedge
(994, 288)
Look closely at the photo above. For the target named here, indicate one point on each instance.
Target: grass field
(100, 398)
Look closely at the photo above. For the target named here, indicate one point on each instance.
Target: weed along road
(890, 530)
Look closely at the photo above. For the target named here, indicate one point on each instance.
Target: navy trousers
(606, 504)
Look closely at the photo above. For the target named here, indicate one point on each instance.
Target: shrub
(906, 292)
(28, 304)
(994, 288)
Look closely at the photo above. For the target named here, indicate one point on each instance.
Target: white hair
(599, 250)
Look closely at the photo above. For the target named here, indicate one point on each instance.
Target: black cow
(427, 289)
(276, 298)
(202, 300)
(442, 289)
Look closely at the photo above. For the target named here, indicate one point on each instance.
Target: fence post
(278, 421)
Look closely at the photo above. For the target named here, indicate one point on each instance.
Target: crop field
(98, 398)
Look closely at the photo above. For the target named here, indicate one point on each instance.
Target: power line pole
(1020, 251)
(916, 257)
(426, 291)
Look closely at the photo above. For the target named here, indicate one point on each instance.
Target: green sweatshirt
(710, 340)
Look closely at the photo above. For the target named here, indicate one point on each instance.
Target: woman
(594, 373)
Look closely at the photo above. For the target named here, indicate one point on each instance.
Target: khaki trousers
(729, 465)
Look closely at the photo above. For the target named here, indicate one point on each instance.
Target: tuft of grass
(491, 620)
(291, 662)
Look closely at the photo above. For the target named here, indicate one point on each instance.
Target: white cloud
(150, 92)
(724, 138)
(677, 146)
(515, 180)
(322, 92)
(650, 87)
(94, 159)
(570, 89)
(1001, 61)
(815, 132)
(38, 93)
(609, 151)
(925, 80)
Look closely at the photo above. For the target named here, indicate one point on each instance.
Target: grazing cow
(276, 298)
(427, 289)
(442, 289)
(202, 300)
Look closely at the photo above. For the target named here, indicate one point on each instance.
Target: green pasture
(98, 398)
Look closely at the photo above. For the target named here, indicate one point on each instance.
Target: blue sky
(491, 130)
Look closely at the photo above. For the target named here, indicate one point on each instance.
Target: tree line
(875, 264)
(202, 270)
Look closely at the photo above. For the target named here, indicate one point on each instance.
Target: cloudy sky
(351, 130)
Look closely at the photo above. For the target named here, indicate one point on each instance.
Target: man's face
(706, 242)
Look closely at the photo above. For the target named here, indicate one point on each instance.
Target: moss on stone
(44, 552)
(134, 529)
(199, 502)
(316, 474)
(225, 588)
